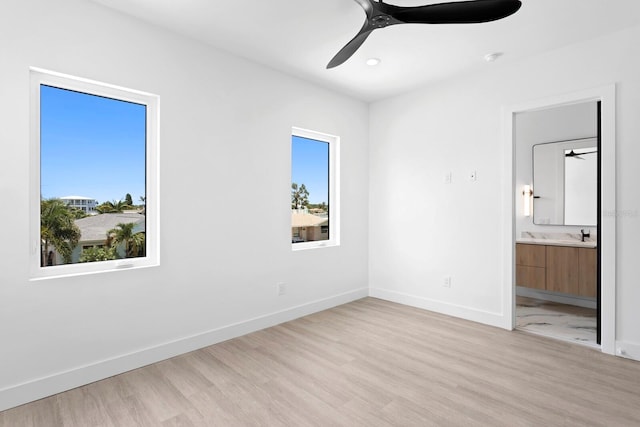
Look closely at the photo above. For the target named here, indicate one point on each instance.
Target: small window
(314, 189)
(97, 142)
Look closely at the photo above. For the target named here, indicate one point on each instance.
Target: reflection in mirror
(565, 182)
(580, 186)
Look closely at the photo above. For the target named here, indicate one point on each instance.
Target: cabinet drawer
(531, 277)
(530, 255)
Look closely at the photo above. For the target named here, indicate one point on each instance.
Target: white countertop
(557, 242)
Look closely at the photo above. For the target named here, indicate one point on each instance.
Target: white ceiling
(299, 37)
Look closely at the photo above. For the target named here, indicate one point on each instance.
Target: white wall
(548, 125)
(225, 126)
(423, 229)
(225, 141)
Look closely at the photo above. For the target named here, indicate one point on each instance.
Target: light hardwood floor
(367, 363)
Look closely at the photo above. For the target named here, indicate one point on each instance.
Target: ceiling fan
(380, 15)
(573, 154)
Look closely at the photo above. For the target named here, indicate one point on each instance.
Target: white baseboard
(628, 350)
(81, 375)
(467, 313)
(555, 297)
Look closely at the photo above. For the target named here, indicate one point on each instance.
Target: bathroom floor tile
(561, 321)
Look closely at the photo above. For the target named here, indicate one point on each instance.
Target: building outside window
(86, 204)
(314, 189)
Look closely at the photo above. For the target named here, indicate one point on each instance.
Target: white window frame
(40, 77)
(334, 188)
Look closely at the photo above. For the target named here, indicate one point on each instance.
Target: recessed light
(490, 57)
(372, 62)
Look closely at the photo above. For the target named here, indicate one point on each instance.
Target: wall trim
(46, 386)
(628, 350)
(455, 310)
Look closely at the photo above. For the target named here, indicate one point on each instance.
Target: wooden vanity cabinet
(588, 279)
(562, 269)
(530, 266)
(565, 269)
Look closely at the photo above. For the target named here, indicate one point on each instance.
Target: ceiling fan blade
(367, 6)
(577, 155)
(463, 12)
(351, 47)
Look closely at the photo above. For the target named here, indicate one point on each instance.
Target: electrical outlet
(281, 288)
(447, 178)
(473, 176)
(446, 282)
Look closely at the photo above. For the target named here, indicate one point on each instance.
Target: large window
(314, 189)
(94, 176)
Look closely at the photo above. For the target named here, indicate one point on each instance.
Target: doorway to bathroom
(563, 167)
(556, 262)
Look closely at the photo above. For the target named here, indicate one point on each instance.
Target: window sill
(313, 245)
(56, 273)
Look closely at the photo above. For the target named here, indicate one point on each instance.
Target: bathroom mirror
(565, 182)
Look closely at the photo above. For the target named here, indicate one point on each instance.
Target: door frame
(607, 238)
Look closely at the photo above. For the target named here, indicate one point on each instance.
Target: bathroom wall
(548, 125)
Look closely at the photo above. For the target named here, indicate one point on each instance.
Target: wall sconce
(527, 192)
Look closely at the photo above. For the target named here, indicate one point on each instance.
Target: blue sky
(91, 146)
(310, 166)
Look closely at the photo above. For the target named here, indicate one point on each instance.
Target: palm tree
(57, 229)
(299, 196)
(123, 233)
(137, 244)
(143, 201)
(112, 207)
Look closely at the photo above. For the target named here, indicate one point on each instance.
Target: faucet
(587, 234)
